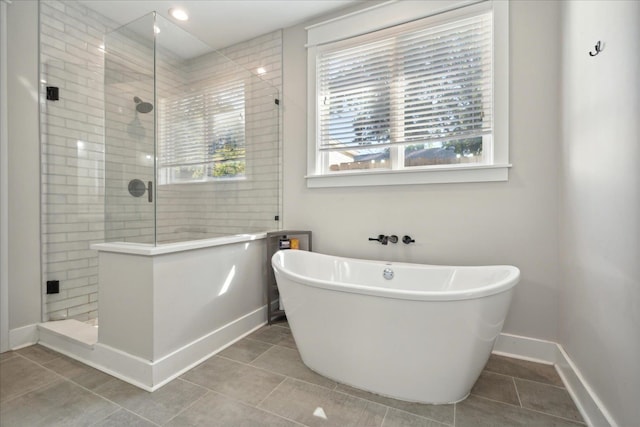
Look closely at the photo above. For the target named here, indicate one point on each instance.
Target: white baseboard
(23, 336)
(151, 375)
(180, 361)
(590, 406)
(526, 348)
(128, 368)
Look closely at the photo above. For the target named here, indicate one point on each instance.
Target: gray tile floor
(261, 381)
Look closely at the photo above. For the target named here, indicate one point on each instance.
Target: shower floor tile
(261, 381)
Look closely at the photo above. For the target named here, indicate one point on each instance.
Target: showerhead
(141, 106)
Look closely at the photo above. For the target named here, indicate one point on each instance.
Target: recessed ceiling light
(179, 14)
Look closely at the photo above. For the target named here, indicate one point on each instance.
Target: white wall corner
(23, 336)
(588, 403)
(4, 187)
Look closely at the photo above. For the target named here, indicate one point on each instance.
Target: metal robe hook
(598, 47)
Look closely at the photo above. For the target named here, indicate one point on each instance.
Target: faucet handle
(407, 239)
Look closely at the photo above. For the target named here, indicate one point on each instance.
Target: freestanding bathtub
(419, 333)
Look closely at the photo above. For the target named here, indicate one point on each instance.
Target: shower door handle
(150, 191)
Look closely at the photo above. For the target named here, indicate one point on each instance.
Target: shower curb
(151, 375)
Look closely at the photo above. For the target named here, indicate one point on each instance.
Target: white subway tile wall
(72, 131)
(78, 168)
(219, 208)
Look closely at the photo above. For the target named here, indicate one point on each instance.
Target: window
(202, 135)
(413, 103)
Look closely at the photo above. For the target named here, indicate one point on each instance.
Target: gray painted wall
(512, 222)
(600, 233)
(24, 164)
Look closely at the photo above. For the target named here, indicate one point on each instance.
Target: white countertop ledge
(147, 249)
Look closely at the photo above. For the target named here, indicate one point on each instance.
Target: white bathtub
(422, 336)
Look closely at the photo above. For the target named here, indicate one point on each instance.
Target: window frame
(382, 17)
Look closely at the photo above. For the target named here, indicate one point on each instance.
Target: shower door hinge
(53, 287)
(53, 93)
(276, 218)
(277, 101)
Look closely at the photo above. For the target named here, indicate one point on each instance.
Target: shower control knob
(407, 239)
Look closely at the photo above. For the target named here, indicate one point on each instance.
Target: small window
(407, 100)
(202, 136)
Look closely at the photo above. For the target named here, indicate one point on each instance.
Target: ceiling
(221, 23)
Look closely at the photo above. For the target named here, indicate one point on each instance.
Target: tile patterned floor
(261, 381)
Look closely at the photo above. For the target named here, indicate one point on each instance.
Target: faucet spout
(381, 238)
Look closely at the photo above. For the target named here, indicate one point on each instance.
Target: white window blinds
(201, 132)
(411, 84)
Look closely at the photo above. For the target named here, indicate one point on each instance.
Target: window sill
(218, 181)
(441, 175)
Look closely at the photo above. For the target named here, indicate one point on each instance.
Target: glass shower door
(130, 132)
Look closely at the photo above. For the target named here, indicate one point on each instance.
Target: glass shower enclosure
(192, 147)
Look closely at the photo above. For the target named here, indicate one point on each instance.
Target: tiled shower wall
(221, 208)
(189, 211)
(72, 130)
(73, 158)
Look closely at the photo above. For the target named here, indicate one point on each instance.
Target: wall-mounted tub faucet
(381, 238)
